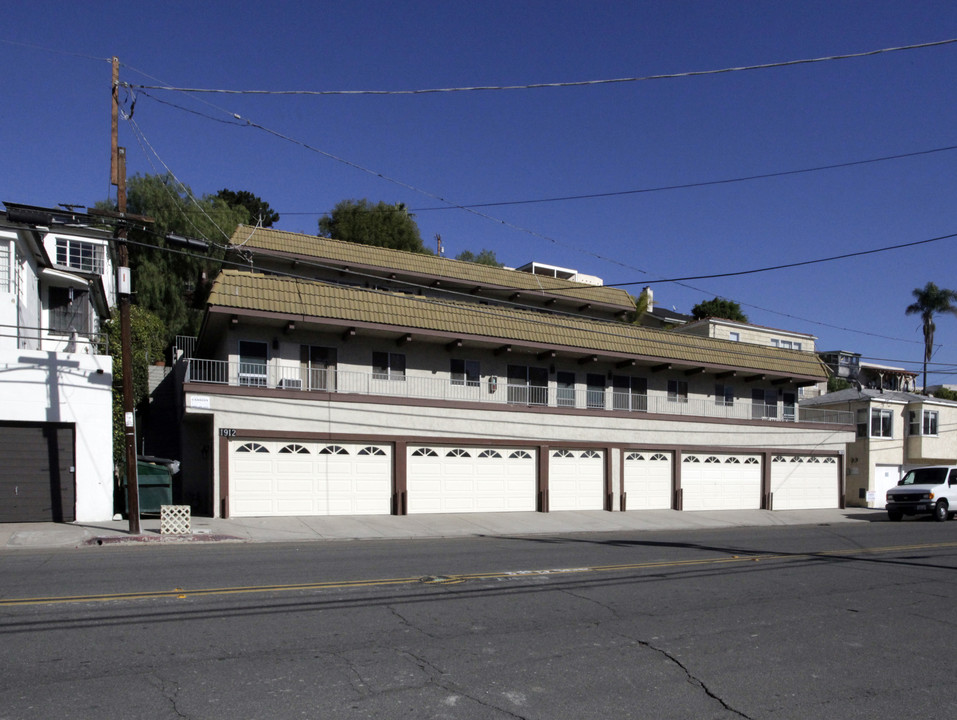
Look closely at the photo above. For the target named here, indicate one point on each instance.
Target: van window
(925, 476)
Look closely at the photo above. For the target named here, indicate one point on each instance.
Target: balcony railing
(492, 390)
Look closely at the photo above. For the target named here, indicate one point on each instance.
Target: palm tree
(931, 300)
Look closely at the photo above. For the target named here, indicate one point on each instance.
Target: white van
(926, 490)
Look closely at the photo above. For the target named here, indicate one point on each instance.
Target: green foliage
(381, 225)
(719, 308)
(486, 257)
(931, 300)
(835, 383)
(147, 341)
(642, 302)
(945, 393)
(172, 283)
(257, 208)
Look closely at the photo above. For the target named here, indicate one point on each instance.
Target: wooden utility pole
(123, 290)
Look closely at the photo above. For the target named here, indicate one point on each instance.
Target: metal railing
(298, 378)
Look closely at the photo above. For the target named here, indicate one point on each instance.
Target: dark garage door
(36, 472)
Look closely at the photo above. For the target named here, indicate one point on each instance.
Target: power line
(565, 84)
(788, 265)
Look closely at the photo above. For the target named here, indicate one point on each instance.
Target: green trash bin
(155, 483)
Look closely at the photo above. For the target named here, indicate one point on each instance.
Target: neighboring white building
(896, 431)
(56, 437)
(339, 378)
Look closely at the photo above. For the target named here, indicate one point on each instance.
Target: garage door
(296, 478)
(721, 482)
(37, 483)
(456, 479)
(800, 482)
(576, 480)
(886, 477)
(648, 480)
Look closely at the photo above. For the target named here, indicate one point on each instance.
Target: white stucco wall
(67, 388)
(481, 422)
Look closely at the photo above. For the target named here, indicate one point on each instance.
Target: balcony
(304, 379)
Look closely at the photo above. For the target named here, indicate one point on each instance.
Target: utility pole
(123, 289)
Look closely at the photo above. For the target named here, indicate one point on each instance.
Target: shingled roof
(357, 256)
(305, 299)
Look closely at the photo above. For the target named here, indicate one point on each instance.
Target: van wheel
(940, 511)
(894, 515)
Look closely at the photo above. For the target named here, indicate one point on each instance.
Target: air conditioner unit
(291, 384)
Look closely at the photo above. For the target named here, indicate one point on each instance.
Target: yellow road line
(179, 593)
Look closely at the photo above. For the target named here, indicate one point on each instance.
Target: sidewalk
(365, 527)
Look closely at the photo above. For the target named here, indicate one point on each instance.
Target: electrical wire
(565, 84)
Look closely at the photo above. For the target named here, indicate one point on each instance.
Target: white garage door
(886, 477)
(800, 482)
(297, 478)
(576, 480)
(456, 480)
(648, 481)
(721, 482)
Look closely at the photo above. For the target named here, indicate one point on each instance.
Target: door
(37, 482)
(270, 478)
(804, 482)
(648, 480)
(448, 479)
(576, 479)
(721, 482)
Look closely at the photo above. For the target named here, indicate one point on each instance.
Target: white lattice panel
(174, 520)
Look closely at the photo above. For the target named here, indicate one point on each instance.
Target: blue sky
(503, 146)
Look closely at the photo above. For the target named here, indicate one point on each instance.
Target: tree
(147, 343)
(719, 308)
(167, 281)
(486, 257)
(382, 225)
(931, 300)
(258, 209)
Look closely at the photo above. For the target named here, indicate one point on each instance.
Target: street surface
(775, 622)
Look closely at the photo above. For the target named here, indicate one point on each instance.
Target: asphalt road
(847, 621)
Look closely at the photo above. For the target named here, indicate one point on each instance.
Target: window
(388, 366)
(764, 403)
(595, 395)
(629, 393)
(723, 395)
(527, 385)
(69, 310)
(5, 274)
(926, 425)
(465, 372)
(80, 255)
(252, 363)
(678, 391)
(565, 393)
(318, 365)
(734, 336)
(786, 344)
(882, 423)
